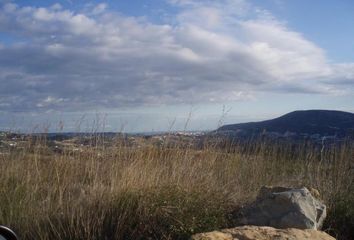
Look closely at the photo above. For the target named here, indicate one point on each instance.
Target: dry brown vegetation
(121, 192)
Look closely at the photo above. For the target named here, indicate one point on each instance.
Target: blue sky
(325, 22)
(151, 65)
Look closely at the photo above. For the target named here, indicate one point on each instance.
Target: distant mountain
(322, 122)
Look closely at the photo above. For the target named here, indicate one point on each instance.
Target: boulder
(263, 233)
(282, 208)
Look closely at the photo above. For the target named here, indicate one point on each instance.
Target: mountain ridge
(323, 122)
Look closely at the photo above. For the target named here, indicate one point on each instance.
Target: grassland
(161, 192)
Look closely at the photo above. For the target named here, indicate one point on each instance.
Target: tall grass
(155, 192)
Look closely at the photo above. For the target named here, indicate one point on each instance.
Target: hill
(322, 122)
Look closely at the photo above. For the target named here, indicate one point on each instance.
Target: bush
(340, 219)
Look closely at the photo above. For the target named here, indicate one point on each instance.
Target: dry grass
(120, 192)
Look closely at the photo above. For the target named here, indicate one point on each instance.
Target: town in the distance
(322, 127)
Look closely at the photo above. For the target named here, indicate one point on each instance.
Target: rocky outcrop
(278, 213)
(281, 207)
(263, 233)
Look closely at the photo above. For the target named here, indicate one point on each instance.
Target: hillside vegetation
(158, 192)
(322, 122)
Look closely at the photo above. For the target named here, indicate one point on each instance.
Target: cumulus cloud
(59, 59)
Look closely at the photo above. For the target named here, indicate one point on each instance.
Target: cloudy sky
(151, 65)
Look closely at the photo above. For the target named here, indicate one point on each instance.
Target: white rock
(280, 207)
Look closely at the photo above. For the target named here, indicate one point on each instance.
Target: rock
(281, 207)
(213, 236)
(263, 233)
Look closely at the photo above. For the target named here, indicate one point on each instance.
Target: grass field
(121, 192)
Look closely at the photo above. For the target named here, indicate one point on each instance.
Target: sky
(157, 65)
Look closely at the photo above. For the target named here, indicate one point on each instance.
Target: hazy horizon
(90, 123)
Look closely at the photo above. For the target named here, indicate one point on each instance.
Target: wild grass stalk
(116, 191)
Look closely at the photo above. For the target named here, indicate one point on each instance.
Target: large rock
(263, 233)
(281, 207)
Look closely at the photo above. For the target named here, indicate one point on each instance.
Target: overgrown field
(121, 192)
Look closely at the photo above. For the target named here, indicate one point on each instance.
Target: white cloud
(218, 51)
(287, 54)
(100, 8)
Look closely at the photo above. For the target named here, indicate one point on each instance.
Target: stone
(263, 233)
(281, 207)
(215, 235)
